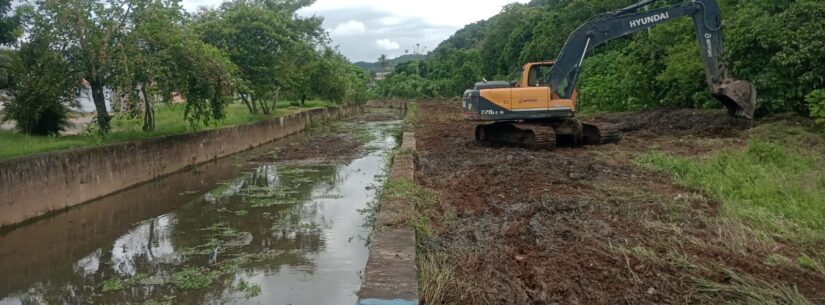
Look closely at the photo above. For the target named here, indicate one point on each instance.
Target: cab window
(539, 76)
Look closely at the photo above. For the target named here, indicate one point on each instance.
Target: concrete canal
(287, 223)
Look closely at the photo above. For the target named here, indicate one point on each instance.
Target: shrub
(816, 103)
(41, 91)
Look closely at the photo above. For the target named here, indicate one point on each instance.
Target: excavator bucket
(739, 97)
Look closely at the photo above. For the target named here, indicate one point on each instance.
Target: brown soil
(585, 225)
(325, 146)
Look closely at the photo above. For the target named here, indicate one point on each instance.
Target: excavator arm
(739, 97)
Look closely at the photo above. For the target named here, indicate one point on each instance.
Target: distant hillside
(374, 66)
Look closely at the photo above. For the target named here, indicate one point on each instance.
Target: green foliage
(152, 51)
(40, 93)
(658, 68)
(785, 62)
(335, 79)
(372, 67)
(448, 73)
(112, 285)
(160, 58)
(816, 103)
(9, 25)
(810, 263)
(774, 185)
(88, 42)
(277, 53)
(191, 279)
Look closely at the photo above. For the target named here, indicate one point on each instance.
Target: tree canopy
(9, 24)
(138, 53)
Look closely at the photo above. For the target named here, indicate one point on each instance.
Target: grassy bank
(169, 120)
(775, 185)
(436, 278)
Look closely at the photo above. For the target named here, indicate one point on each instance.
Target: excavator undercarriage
(548, 135)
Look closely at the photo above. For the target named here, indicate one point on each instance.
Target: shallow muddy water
(227, 232)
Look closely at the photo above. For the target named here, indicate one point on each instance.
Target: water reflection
(279, 233)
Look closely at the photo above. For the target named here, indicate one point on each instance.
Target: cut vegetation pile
(692, 207)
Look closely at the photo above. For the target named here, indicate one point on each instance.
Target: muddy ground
(586, 225)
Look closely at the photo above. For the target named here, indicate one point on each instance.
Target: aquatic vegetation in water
(192, 279)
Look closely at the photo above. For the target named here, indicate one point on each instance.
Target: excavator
(539, 110)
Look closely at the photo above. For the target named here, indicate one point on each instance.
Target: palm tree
(384, 62)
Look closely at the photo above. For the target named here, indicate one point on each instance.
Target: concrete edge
(386, 302)
(391, 274)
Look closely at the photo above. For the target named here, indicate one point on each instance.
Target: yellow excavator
(539, 110)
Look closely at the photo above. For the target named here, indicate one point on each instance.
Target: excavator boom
(739, 97)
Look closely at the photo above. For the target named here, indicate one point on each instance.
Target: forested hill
(777, 44)
(376, 66)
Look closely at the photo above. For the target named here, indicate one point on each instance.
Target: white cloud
(349, 28)
(387, 44)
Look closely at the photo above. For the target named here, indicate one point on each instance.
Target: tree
(265, 39)
(335, 79)
(9, 31)
(9, 25)
(42, 91)
(159, 58)
(384, 62)
(89, 33)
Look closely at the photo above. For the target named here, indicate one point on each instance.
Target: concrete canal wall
(36, 185)
(391, 275)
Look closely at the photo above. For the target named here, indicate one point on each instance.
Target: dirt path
(587, 226)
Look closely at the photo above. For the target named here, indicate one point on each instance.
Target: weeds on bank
(736, 288)
(743, 289)
(769, 185)
(436, 278)
(411, 118)
(771, 190)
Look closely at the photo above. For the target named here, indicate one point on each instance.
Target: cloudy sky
(365, 29)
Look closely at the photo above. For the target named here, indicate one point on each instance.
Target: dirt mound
(328, 146)
(680, 122)
(585, 226)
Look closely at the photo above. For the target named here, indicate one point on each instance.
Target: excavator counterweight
(545, 98)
